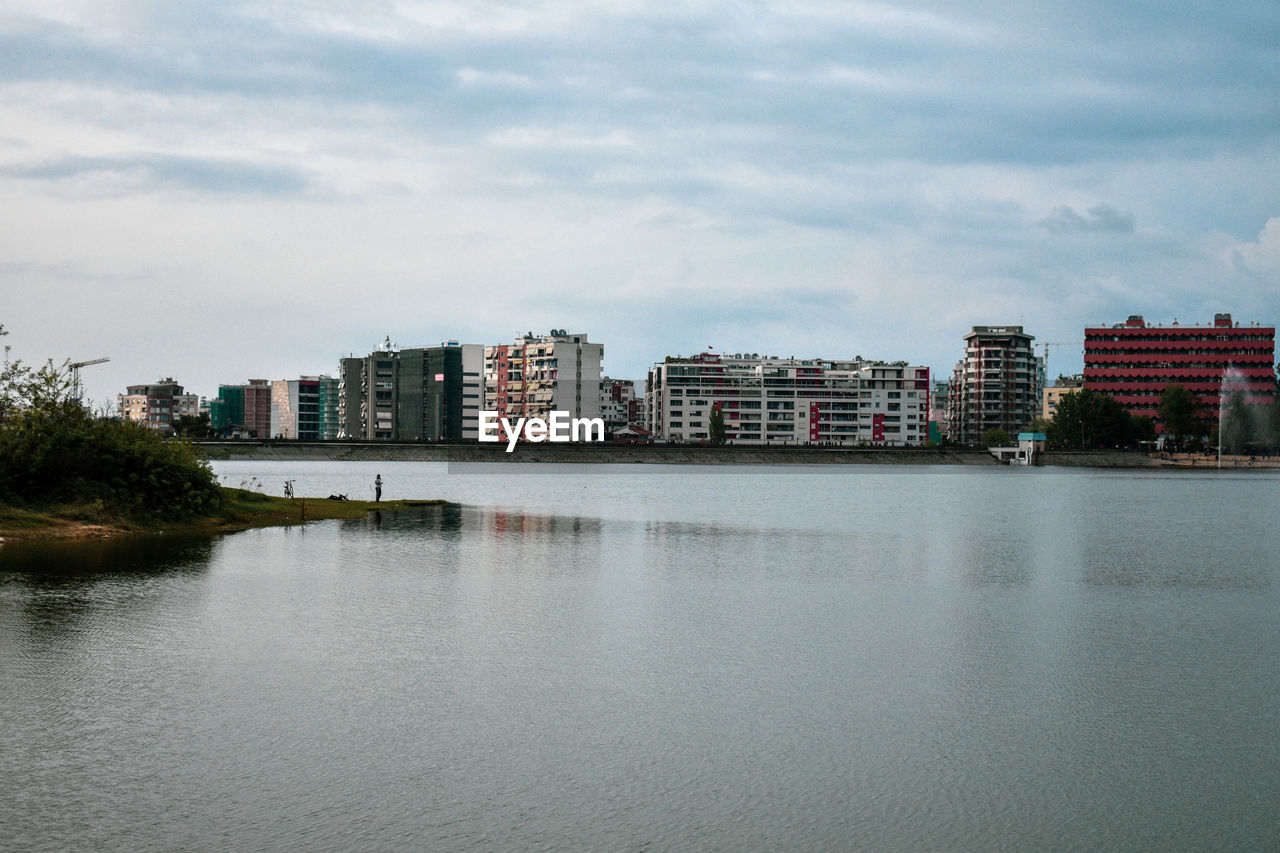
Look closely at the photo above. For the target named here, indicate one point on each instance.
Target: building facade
(619, 405)
(412, 393)
(539, 374)
(995, 386)
(297, 410)
(244, 408)
(766, 400)
(1135, 362)
(939, 429)
(157, 406)
(1052, 394)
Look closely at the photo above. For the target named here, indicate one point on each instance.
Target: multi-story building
(769, 400)
(1135, 362)
(539, 374)
(619, 405)
(327, 405)
(296, 410)
(158, 405)
(243, 407)
(995, 386)
(938, 426)
(438, 392)
(367, 394)
(1051, 395)
(412, 394)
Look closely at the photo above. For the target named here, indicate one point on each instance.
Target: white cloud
(1263, 255)
(826, 179)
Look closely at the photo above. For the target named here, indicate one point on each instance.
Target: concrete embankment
(656, 454)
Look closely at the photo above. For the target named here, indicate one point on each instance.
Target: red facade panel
(1135, 363)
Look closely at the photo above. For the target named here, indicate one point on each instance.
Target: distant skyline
(216, 192)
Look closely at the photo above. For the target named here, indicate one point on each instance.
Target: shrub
(52, 451)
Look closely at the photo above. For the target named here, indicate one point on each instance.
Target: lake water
(661, 658)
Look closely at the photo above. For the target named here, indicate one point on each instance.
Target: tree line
(54, 452)
(1085, 419)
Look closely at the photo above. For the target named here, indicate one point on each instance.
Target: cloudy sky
(218, 191)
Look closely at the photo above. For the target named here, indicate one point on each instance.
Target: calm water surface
(661, 658)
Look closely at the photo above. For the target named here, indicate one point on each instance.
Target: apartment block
(1135, 362)
(769, 400)
(158, 405)
(297, 410)
(244, 408)
(619, 405)
(538, 374)
(412, 393)
(996, 385)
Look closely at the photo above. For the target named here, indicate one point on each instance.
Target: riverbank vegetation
(67, 472)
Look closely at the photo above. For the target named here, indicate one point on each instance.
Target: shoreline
(652, 454)
(242, 510)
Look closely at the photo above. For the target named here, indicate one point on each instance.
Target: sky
(224, 191)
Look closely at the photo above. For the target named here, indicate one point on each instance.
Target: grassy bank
(238, 509)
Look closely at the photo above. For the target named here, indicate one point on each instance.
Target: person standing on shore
(377, 488)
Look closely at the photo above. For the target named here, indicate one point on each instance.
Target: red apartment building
(1134, 362)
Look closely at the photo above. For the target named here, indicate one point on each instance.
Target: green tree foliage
(995, 438)
(52, 451)
(1040, 425)
(1084, 419)
(715, 428)
(1180, 413)
(189, 426)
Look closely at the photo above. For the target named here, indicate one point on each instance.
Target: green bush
(53, 452)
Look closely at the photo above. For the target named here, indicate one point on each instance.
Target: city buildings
(995, 386)
(1052, 394)
(538, 374)
(939, 428)
(1134, 362)
(243, 409)
(769, 400)
(304, 408)
(157, 405)
(412, 394)
(619, 405)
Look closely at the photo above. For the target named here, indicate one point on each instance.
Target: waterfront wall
(660, 454)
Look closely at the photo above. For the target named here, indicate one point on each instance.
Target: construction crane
(74, 367)
(1045, 359)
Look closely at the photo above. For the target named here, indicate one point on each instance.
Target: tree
(189, 426)
(1085, 419)
(53, 451)
(715, 425)
(1180, 413)
(995, 438)
(1038, 425)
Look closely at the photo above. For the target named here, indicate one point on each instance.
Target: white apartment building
(619, 405)
(538, 374)
(472, 387)
(769, 400)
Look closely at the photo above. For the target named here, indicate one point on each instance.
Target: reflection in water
(434, 520)
(918, 662)
(65, 583)
(79, 559)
